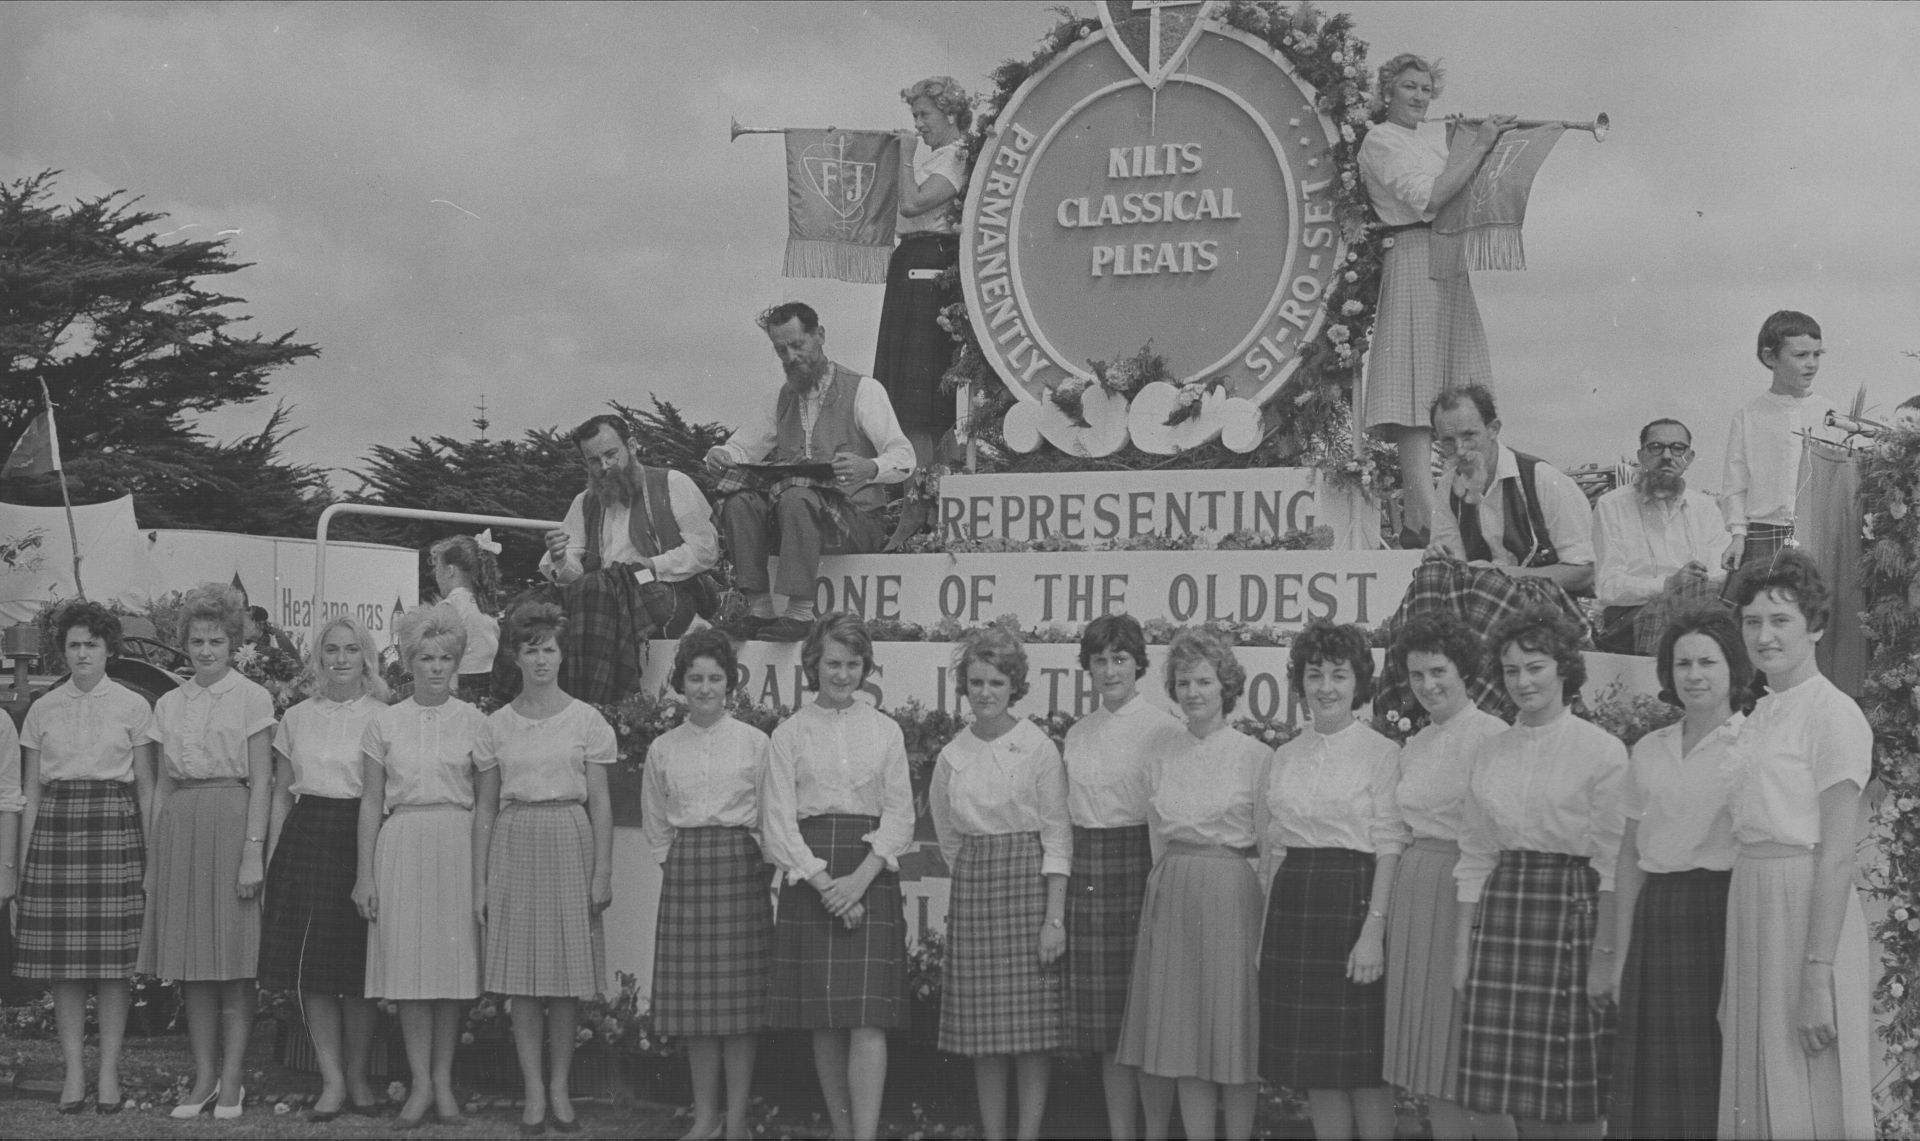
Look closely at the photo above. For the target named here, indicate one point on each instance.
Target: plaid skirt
(1318, 1029)
(81, 893)
(1666, 1061)
(713, 944)
(913, 351)
(995, 997)
(1423, 1010)
(826, 977)
(1428, 336)
(542, 937)
(1104, 897)
(198, 928)
(312, 936)
(1531, 1045)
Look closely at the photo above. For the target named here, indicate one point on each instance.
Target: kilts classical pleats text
(1104, 896)
(913, 351)
(81, 895)
(1531, 1043)
(996, 997)
(1318, 1029)
(543, 937)
(313, 938)
(1666, 1061)
(825, 976)
(713, 945)
(198, 928)
(1428, 337)
(424, 942)
(1423, 1010)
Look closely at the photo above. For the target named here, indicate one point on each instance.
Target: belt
(1768, 850)
(443, 806)
(1210, 851)
(546, 803)
(211, 782)
(1405, 228)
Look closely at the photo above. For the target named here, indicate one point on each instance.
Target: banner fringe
(1496, 247)
(862, 265)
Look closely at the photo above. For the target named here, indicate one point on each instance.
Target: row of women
(354, 851)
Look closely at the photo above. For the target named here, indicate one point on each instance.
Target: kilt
(995, 997)
(826, 977)
(713, 944)
(1428, 336)
(198, 928)
(82, 897)
(425, 943)
(1318, 1029)
(312, 936)
(1666, 1062)
(913, 351)
(542, 937)
(1423, 1010)
(1104, 895)
(1531, 1045)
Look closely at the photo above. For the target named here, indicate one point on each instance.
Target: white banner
(36, 557)
(370, 581)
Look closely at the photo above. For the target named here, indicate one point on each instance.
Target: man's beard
(619, 485)
(1659, 483)
(802, 376)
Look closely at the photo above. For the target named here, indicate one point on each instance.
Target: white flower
(281, 1109)
(1338, 57)
(1352, 309)
(1352, 277)
(1346, 132)
(1339, 334)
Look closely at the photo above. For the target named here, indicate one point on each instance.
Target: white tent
(36, 557)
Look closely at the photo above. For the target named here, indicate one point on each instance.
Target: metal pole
(73, 533)
(326, 517)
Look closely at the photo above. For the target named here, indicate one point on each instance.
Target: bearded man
(630, 562)
(1657, 544)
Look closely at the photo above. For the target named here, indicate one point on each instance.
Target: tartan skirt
(1318, 1029)
(425, 943)
(996, 997)
(1531, 1045)
(198, 928)
(82, 898)
(1427, 337)
(542, 937)
(1666, 1061)
(826, 977)
(913, 351)
(1423, 1010)
(713, 944)
(1104, 895)
(312, 936)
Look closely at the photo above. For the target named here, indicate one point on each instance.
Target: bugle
(1599, 126)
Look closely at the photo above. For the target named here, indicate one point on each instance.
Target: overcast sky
(538, 203)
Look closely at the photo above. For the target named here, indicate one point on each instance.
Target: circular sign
(1198, 215)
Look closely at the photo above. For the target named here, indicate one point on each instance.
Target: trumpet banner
(843, 191)
(1480, 227)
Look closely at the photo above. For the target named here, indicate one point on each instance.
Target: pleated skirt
(1104, 895)
(913, 351)
(1422, 1053)
(826, 977)
(82, 897)
(424, 943)
(542, 936)
(1531, 1044)
(713, 944)
(198, 928)
(996, 997)
(1769, 1085)
(313, 938)
(1427, 337)
(1193, 1007)
(1318, 1029)
(1666, 1059)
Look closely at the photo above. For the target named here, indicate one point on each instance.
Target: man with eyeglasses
(1657, 544)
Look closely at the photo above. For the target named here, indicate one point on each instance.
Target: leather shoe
(559, 1126)
(69, 1108)
(785, 630)
(744, 628)
(191, 1109)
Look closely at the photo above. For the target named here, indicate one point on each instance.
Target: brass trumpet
(1599, 126)
(735, 130)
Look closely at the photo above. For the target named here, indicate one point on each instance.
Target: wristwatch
(1060, 923)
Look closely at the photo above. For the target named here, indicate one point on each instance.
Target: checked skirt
(1104, 898)
(826, 977)
(81, 897)
(1531, 1045)
(996, 998)
(312, 937)
(1666, 1064)
(713, 947)
(1318, 1030)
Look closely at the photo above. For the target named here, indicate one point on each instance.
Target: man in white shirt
(835, 437)
(1657, 544)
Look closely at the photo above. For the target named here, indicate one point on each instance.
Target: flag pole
(60, 469)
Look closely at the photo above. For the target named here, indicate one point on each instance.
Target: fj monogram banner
(1480, 227)
(842, 194)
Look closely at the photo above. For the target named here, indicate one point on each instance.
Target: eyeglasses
(1675, 449)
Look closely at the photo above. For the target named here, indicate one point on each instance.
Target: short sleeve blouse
(545, 758)
(320, 738)
(88, 736)
(203, 729)
(1681, 800)
(1796, 744)
(950, 163)
(427, 751)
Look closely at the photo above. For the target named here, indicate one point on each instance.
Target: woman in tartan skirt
(88, 783)
(1676, 861)
(548, 872)
(313, 939)
(999, 807)
(838, 815)
(1536, 886)
(1108, 759)
(713, 944)
(1335, 831)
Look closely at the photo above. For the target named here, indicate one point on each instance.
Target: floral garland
(934, 543)
(1313, 408)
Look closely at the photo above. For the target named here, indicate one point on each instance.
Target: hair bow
(484, 540)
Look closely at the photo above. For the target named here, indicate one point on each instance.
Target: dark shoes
(744, 628)
(784, 630)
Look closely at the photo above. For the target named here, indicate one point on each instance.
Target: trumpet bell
(1600, 126)
(734, 128)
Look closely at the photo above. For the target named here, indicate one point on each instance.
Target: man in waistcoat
(630, 562)
(805, 477)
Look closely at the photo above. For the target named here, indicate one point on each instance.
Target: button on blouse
(1560, 787)
(427, 751)
(88, 736)
(1336, 791)
(1681, 801)
(849, 761)
(702, 778)
(320, 738)
(1013, 783)
(203, 729)
(1109, 756)
(545, 758)
(1435, 766)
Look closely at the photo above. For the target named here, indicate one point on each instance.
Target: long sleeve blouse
(1680, 801)
(1109, 758)
(1400, 165)
(1335, 790)
(1558, 787)
(1205, 789)
(851, 761)
(702, 778)
(1796, 744)
(320, 738)
(1436, 767)
(1013, 783)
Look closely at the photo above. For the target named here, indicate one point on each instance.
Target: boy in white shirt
(1761, 478)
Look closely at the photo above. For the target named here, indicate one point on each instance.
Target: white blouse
(1681, 801)
(1336, 791)
(1204, 790)
(1796, 744)
(483, 632)
(1013, 783)
(87, 736)
(320, 738)
(1436, 765)
(850, 761)
(950, 163)
(546, 758)
(12, 797)
(1400, 165)
(1557, 788)
(1109, 758)
(702, 778)
(203, 730)
(426, 750)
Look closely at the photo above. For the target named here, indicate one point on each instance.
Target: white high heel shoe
(187, 1110)
(229, 1112)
